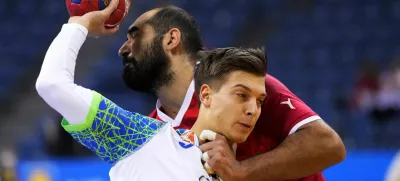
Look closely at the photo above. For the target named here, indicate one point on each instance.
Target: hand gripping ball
(81, 7)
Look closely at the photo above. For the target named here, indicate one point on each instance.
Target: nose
(251, 108)
(124, 50)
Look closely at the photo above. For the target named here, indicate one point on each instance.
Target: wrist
(242, 172)
(77, 26)
(80, 24)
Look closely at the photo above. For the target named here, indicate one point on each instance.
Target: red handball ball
(81, 7)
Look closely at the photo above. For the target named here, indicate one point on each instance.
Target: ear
(172, 39)
(205, 95)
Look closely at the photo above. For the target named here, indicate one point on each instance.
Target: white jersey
(140, 148)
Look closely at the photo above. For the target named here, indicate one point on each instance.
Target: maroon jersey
(282, 114)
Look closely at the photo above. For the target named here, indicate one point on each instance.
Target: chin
(239, 138)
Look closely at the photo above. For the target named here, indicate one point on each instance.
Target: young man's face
(236, 106)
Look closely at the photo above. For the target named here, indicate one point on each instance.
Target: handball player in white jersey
(229, 82)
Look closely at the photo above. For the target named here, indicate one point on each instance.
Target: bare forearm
(304, 153)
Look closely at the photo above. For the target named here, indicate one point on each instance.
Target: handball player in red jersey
(289, 142)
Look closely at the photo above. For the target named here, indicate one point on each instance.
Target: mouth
(126, 62)
(245, 125)
(127, 65)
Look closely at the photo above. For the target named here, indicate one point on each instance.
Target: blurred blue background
(339, 56)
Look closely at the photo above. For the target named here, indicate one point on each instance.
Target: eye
(134, 35)
(260, 101)
(241, 95)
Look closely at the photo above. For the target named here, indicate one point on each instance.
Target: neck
(200, 125)
(172, 96)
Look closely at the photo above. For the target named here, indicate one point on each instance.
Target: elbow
(40, 86)
(43, 87)
(340, 150)
(48, 90)
(335, 147)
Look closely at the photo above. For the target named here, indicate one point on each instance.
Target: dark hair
(214, 65)
(173, 17)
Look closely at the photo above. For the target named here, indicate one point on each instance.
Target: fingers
(205, 156)
(207, 135)
(207, 146)
(220, 137)
(208, 169)
(215, 138)
(206, 159)
(109, 31)
(111, 7)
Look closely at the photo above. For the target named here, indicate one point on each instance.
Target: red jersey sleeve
(283, 112)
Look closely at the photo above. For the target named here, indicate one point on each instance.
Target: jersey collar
(185, 105)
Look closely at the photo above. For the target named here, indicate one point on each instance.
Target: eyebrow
(248, 89)
(133, 29)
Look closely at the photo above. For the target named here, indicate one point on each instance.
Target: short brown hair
(214, 65)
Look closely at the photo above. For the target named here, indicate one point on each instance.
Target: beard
(149, 73)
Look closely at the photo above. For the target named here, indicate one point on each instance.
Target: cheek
(216, 108)
(136, 49)
(228, 115)
(220, 104)
(257, 115)
(220, 112)
(227, 105)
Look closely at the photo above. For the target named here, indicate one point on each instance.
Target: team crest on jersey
(189, 137)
